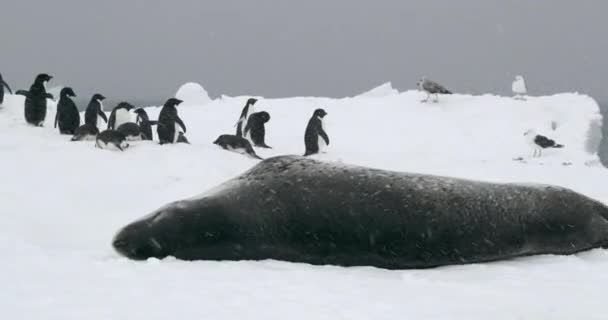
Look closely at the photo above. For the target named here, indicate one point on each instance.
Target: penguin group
(120, 127)
(170, 128)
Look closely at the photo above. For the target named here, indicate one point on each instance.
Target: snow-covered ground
(61, 203)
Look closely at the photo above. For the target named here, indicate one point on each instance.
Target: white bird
(539, 142)
(519, 88)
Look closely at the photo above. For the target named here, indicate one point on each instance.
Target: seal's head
(172, 230)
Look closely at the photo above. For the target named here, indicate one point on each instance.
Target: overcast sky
(129, 49)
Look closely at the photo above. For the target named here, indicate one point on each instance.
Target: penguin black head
(320, 113)
(173, 102)
(141, 112)
(43, 77)
(98, 96)
(265, 116)
(67, 92)
(252, 101)
(125, 105)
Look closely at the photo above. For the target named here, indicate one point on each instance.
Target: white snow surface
(62, 202)
(192, 93)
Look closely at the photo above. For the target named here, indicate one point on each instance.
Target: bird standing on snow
(519, 88)
(539, 142)
(431, 88)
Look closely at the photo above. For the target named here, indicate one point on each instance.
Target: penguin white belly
(320, 141)
(322, 144)
(176, 133)
(100, 122)
(248, 136)
(122, 116)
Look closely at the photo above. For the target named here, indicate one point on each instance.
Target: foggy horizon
(131, 50)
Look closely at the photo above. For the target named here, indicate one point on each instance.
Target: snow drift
(192, 94)
(61, 202)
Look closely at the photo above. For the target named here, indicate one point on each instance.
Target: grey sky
(145, 49)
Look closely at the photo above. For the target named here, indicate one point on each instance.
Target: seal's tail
(558, 146)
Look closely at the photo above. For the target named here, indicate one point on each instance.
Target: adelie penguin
(315, 137)
(236, 144)
(85, 132)
(144, 123)
(67, 116)
(167, 120)
(131, 131)
(95, 109)
(111, 139)
(3, 85)
(35, 100)
(120, 114)
(255, 129)
(247, 111)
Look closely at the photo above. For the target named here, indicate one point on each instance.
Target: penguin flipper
(49, 96)
(324, 136)
(112, 120)
(7, 86)
(181, 123)
(22, 92)
(103, 115)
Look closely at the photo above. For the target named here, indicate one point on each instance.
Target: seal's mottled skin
(297, 209)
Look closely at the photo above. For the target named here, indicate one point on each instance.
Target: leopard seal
(303, 210)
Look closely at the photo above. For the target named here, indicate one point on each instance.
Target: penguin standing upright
(35, 100)
(247, 110)
(120, 115)
(94, 109)
(255, 130)
(68, 116)
(3, 85)
(168, 117)
(315, 137)
(144, 123)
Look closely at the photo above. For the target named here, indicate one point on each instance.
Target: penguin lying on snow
(111, 139)
(315, 137)
(85, 132)
(120, 114)
(68, 116)
(255, 130)
(131, 131)
(237, 144)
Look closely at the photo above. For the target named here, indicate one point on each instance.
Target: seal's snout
(122, 246)
(133, 243)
